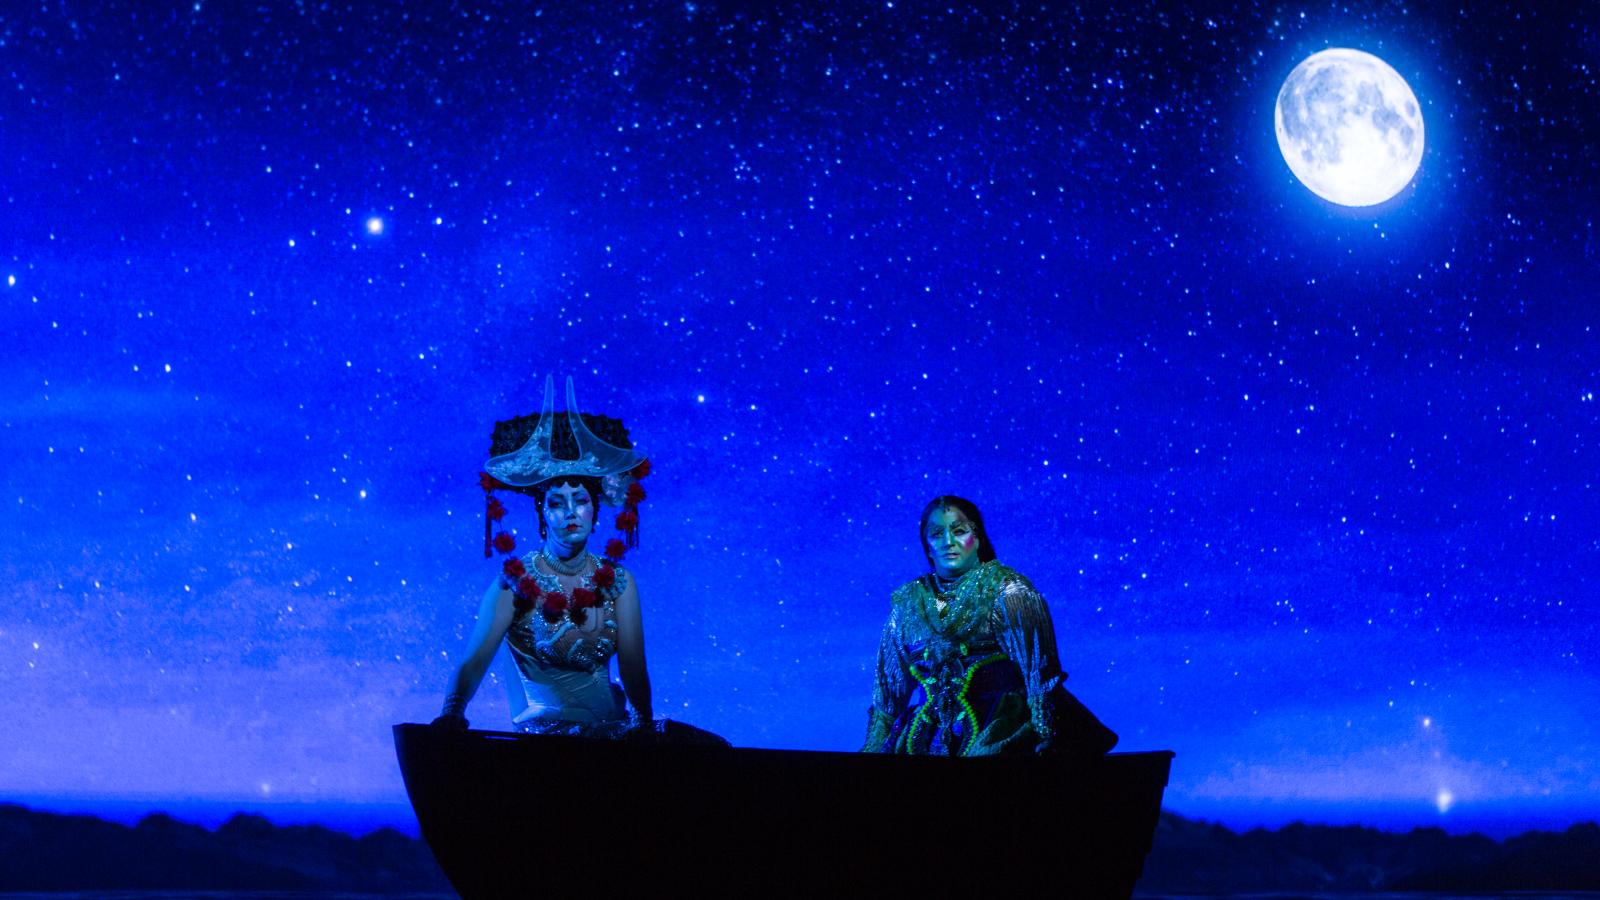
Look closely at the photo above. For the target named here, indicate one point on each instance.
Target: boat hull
(510, 815)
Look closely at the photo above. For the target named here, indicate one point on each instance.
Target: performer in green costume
(967, 664)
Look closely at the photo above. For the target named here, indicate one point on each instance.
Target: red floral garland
(526, 593)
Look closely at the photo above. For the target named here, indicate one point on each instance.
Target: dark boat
(523, 815)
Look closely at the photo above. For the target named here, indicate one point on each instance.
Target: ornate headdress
(535, 462)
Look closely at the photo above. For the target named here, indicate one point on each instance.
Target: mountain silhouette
(1194, 857)
(43, 851)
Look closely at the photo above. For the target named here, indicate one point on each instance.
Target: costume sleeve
(891, 687)
(1029, 637)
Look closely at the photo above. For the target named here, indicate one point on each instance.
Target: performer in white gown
(562, 611)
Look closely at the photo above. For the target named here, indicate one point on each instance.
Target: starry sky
(1311, 490)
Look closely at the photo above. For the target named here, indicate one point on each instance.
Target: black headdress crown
(617, 469)
(536, 461)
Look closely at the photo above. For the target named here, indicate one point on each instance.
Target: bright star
(374, 226)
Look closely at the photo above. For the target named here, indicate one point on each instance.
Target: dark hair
(968, 509)
(510, 434)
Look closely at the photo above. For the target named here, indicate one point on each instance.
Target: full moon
(1349, 127)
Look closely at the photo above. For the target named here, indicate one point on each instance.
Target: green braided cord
(966, 681)
(927, 693)
(922, 713)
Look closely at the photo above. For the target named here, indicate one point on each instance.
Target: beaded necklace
(564, 567)
(534, 587)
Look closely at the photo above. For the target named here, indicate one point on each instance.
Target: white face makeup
(952, 542)
(568, 520)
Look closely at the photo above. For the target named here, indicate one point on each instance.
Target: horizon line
(358, 818)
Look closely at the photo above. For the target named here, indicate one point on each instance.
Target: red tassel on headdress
(492, 510)
(488, 523)
(628, 520)
(628, 524)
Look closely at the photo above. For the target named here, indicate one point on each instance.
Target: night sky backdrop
(1311, 490)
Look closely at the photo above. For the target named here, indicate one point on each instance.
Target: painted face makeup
(952, 542)
(568, 519)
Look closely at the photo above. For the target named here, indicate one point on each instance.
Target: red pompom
(504, 542)
(642, 469)
(528, 587)
(627, 520)
(488, 482)
(577, 615)
(496, 509)
(582, 598)
(616, 549)
(554, 601)
(635, 493)
(521, 603)
(552, 615)
(513, 568)
(605, 576)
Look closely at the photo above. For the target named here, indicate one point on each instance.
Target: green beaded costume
(979, 677)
